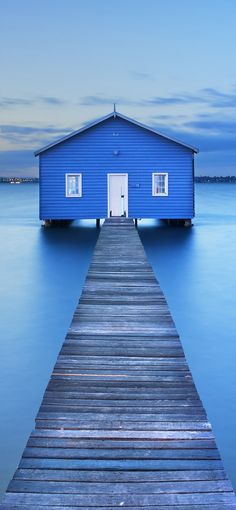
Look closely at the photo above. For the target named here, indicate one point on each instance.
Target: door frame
(108, 191)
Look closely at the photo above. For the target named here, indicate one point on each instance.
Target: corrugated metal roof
(102, 119)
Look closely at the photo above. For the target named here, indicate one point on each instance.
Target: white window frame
(165, 194)
(74, 195)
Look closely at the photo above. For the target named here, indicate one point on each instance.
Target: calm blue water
(42, 274)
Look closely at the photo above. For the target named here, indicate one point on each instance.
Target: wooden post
(98, 223)
(57, 223)
(47, 223)
(187, 223)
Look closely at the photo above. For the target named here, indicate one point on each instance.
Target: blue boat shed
(116, 166)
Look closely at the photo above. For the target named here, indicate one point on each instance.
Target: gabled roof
(102, 119)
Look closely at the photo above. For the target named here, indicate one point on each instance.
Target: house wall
(141, 153)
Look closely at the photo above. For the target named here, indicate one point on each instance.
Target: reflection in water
(42, 274)
(197, 272)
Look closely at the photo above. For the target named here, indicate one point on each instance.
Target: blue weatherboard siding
(141, 153)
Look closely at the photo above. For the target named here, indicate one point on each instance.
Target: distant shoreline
(201, 178)
(215, 178)
(18, 180)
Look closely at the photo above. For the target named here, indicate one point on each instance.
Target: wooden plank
(127, 417)
(74, 475)
(106, 500)
(63, 442)
(214, 506)
(117, 464)
(70, 399)
(121, 422)
(120, 488)
(154, 435)
(120, 425)
(141, 454)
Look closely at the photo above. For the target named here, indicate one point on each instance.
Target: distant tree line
(201, 178)
(215, 178)
(19, 179)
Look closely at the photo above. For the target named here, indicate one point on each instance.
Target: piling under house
(116, 166)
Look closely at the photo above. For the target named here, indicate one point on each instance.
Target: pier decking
(121, 424)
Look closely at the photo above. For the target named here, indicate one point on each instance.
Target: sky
(169, 64)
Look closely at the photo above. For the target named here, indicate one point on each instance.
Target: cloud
(7, 102)
(29, 129)
(54, 101)
(142, 76)
(14, 102)
(99, 100)
(30, 135)
(170, 118)
(220, 99)
(166, 101)
(211, 143)
(22, 162)
(211, 97)
(217, 150)
(213, 125)
(183, 98)
(18, 163)
(206, 141)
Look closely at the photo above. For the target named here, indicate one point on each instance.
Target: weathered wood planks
(121, 423)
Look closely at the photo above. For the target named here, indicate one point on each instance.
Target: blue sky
(167, 63)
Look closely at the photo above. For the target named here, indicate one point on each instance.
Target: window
(160, 184)
(73, 185)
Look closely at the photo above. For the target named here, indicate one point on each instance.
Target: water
(42, 274)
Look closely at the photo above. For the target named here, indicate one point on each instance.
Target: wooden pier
(121, 424)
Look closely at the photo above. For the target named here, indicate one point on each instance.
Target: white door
(117, 195)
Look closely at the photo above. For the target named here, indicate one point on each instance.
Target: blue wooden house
(116, 166)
